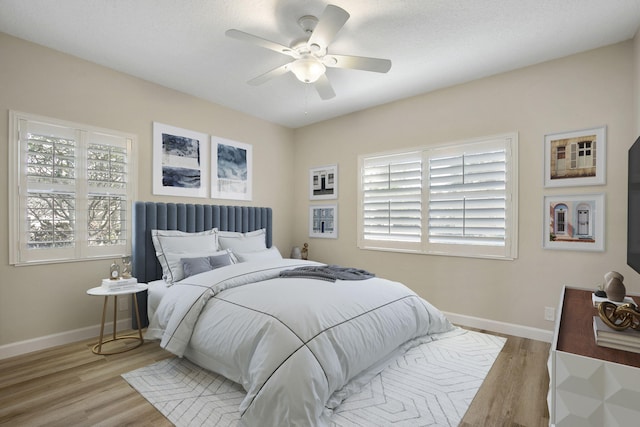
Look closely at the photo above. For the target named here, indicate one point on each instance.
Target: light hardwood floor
(71, 386)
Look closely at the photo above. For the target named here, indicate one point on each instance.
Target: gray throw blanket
(330, 273)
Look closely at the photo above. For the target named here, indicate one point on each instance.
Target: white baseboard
(41, 343)
(54, 340)
(501, 327)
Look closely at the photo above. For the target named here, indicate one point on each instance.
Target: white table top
(100, 291)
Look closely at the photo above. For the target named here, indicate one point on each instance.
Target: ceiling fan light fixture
(308, 70)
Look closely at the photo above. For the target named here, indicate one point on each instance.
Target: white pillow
(267, 254)
(173, 245)
(252, 241)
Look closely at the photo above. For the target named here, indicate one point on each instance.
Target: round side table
(106, 293)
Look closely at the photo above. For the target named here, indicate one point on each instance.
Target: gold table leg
(97, 349)
(104, 315)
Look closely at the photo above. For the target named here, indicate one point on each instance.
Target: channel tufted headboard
(191, 218)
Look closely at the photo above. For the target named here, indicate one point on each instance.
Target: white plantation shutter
(467, 199)
(108, 181)
(71, 188)
(573, 164)
(391, 189)
(449, 200)
(49, 178)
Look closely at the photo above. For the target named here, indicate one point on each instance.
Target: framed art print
(323, 221)
(574, 222)
(231, 174)
(323, 183)
(180, 162)
(575, 158)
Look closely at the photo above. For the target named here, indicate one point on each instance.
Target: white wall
(577, 92)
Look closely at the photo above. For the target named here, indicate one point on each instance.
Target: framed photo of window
(323, 221)
(575, 158)
(323, 183)
(574, 222)
(232, 169)
(180, 162)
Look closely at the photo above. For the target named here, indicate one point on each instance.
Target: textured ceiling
(432, 43)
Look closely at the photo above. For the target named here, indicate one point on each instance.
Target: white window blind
(107, 181)
(392, 199)
(467, 198)
(71, 185)
(451, 200)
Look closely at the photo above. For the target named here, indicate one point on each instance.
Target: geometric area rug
(432, 384)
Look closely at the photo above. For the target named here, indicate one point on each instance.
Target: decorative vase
(295, 253)
(614, 287)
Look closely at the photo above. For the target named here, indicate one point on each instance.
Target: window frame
(18, 191)
(507, 252)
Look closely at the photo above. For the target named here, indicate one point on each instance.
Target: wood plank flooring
(71, 386)
(514, 393)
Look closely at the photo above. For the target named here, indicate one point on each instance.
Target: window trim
(16, 192)
(507, 252)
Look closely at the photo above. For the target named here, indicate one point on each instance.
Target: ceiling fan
(310, 53)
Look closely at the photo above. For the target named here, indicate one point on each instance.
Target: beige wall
(36, 301)
(586, 90)
(590, 89)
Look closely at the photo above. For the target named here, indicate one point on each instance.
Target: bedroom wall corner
(589, 89)
(46, 300)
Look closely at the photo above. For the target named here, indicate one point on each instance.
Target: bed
(148, 216)
(299, 336)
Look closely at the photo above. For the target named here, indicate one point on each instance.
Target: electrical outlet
(549, 314)
(123, 303)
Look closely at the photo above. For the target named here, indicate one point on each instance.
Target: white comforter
(297, 346)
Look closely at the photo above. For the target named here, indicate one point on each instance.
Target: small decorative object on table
(126, 267)
(305, 251)
(119, 284)
(295, 253)
(600, 293)
(614, 287)
(619, 317)
(114, 273)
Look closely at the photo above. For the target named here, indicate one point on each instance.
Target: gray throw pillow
(218, 261)
(193, 266)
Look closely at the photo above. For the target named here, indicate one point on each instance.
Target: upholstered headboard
(191, 218)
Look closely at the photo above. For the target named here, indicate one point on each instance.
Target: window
(583, 155)
(391, 201)
(561, 219)
(450, 200)
(71, 187)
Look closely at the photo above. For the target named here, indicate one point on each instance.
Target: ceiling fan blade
(259, 41)
(276, 72)
(357, 63)
(330, 22)
(323, 86)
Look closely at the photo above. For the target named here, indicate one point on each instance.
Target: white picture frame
(323, 221)
(232, 169)
(574, 222)
(575, 158)
(180, 162)
(323, 182)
